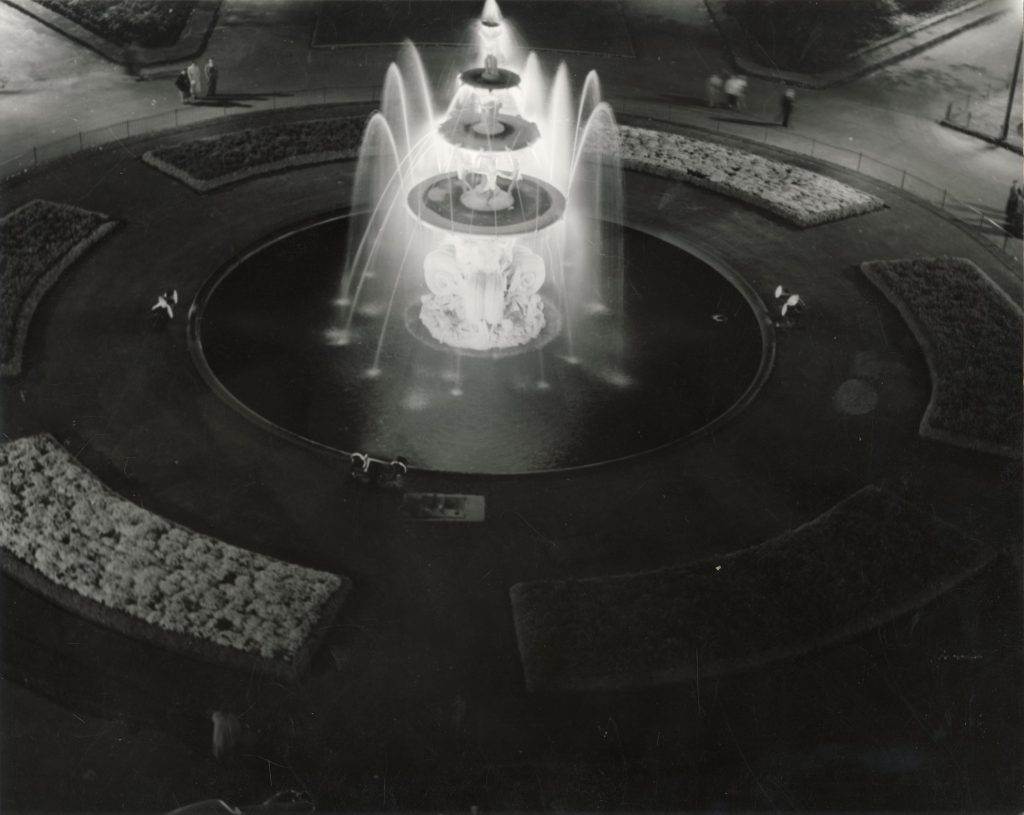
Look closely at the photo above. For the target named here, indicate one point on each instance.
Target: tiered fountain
(492, 218)
(481, 324)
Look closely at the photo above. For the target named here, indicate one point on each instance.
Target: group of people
(162, 311)
(730, 92)
(190, 81)
(792, 308)
(375, 472)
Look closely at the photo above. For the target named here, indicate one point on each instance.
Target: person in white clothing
(714, 90)
(741, 93)
(733, 87)
(195, 80)
(163, 309)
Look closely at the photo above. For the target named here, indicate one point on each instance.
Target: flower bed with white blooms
(38, 241)
(800, 196)
(67, 536)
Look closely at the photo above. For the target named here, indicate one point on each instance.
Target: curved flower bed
(971, 334)
(149, 23)
(205, 164)
(868, 559)
(64, 534)
(800, 196)
(38, 241)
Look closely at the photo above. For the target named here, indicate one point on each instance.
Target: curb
(243, 120)
(862, 62)
(191, 43)
(977, 134)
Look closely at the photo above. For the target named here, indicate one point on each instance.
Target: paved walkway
(54, 89)
(428, 619)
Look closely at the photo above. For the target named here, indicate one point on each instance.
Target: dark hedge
(33, 239)
(835, 576)
(148, 23)
(211, 158)
(972, 338)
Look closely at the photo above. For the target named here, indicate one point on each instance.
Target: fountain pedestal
(483, 294)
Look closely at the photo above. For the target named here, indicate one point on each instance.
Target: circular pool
(691, 348)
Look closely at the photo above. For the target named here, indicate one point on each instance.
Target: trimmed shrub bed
(797, 195)
(148, 23)
(65, 535)
(867, 560)
(205, 164)
(38, 241)
(971, 334)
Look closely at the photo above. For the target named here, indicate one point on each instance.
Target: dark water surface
(264, 329)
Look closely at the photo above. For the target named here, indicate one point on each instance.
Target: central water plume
(489, 226)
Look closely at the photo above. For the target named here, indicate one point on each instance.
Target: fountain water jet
(495, 226)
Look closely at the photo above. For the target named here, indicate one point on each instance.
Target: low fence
(984, 115)
(969, 214)
(188, 114)
(978, 219)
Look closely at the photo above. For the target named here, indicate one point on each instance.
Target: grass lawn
(148, 23)
(798, 35)
(868, 559)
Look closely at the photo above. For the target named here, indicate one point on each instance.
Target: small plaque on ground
(436, 506)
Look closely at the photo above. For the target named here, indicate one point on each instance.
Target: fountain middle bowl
(691, 349)
(436, 203)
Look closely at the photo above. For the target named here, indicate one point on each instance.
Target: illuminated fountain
(492, 228)
(481, 324)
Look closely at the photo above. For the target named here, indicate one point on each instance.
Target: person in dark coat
(211, 77)
(786, 102)
(1015, 210)
(183, 85)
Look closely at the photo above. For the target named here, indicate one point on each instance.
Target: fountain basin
(696, 348)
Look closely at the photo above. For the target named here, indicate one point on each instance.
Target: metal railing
(188, 114)
(231, 104)
(967, 213)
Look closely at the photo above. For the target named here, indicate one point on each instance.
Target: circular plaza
(737, 526)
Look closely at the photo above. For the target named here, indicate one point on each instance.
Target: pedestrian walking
(741, 93)
(184, 86)
(1015, 210)
(195, 80)
(786, 103)
(715, 84)
(211, 77)
(733, 85)
(130, 59)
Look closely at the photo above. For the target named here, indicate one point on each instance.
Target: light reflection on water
(270, 336)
